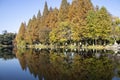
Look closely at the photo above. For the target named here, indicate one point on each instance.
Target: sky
(14, 12)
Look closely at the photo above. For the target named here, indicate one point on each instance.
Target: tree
(104, 24)
(39, 15)
(77, 15)
(52, 19)
(61, 33)
(99, 25)
(32, 32)
(45, 12)
(44, 35)
(78, 10)
(64, 8)
(4, 32)
(1, 39)
(75, 22)
(115, 28)
(92, 25)
(22, 31)
(7, 38)
(20, 38)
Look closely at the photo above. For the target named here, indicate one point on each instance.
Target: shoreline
(99, 47)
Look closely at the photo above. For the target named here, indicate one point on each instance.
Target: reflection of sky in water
(37, 64)
(116, 78)
(116, 73)
(11, 70)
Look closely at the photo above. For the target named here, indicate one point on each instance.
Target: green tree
(104, 24)
(92, 25)
(61, 33)
(99, 25)
(115, 28)
(7, 38)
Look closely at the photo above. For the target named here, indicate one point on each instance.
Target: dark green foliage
(7, 38)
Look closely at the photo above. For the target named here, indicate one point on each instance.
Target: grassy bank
(68, 46)
(95, 47)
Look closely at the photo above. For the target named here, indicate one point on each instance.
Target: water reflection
(62, 64)
(7, 53)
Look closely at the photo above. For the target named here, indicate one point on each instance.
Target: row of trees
(75, 22)
(7, 38)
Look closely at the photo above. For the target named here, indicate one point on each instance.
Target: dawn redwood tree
(20, 38)
(46, 11)
(39, 15)
(63, 11)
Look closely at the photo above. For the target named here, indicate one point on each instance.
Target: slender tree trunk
(93, 42)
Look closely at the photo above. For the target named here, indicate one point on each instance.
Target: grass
(95, 47)
(40, 46)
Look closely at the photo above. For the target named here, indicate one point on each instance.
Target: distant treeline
(77, 22)
(7, 38)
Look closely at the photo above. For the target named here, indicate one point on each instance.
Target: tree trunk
(93, 42)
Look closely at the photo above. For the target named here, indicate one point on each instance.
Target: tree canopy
(7, 38)
(76, 22)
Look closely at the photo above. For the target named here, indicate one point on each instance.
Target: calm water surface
(60, 64)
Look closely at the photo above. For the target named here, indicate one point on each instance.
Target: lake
(59, 64)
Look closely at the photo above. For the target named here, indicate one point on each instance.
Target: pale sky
(13, 12)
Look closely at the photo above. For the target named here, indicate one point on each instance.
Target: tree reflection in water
(7, 53)
(70, 65)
